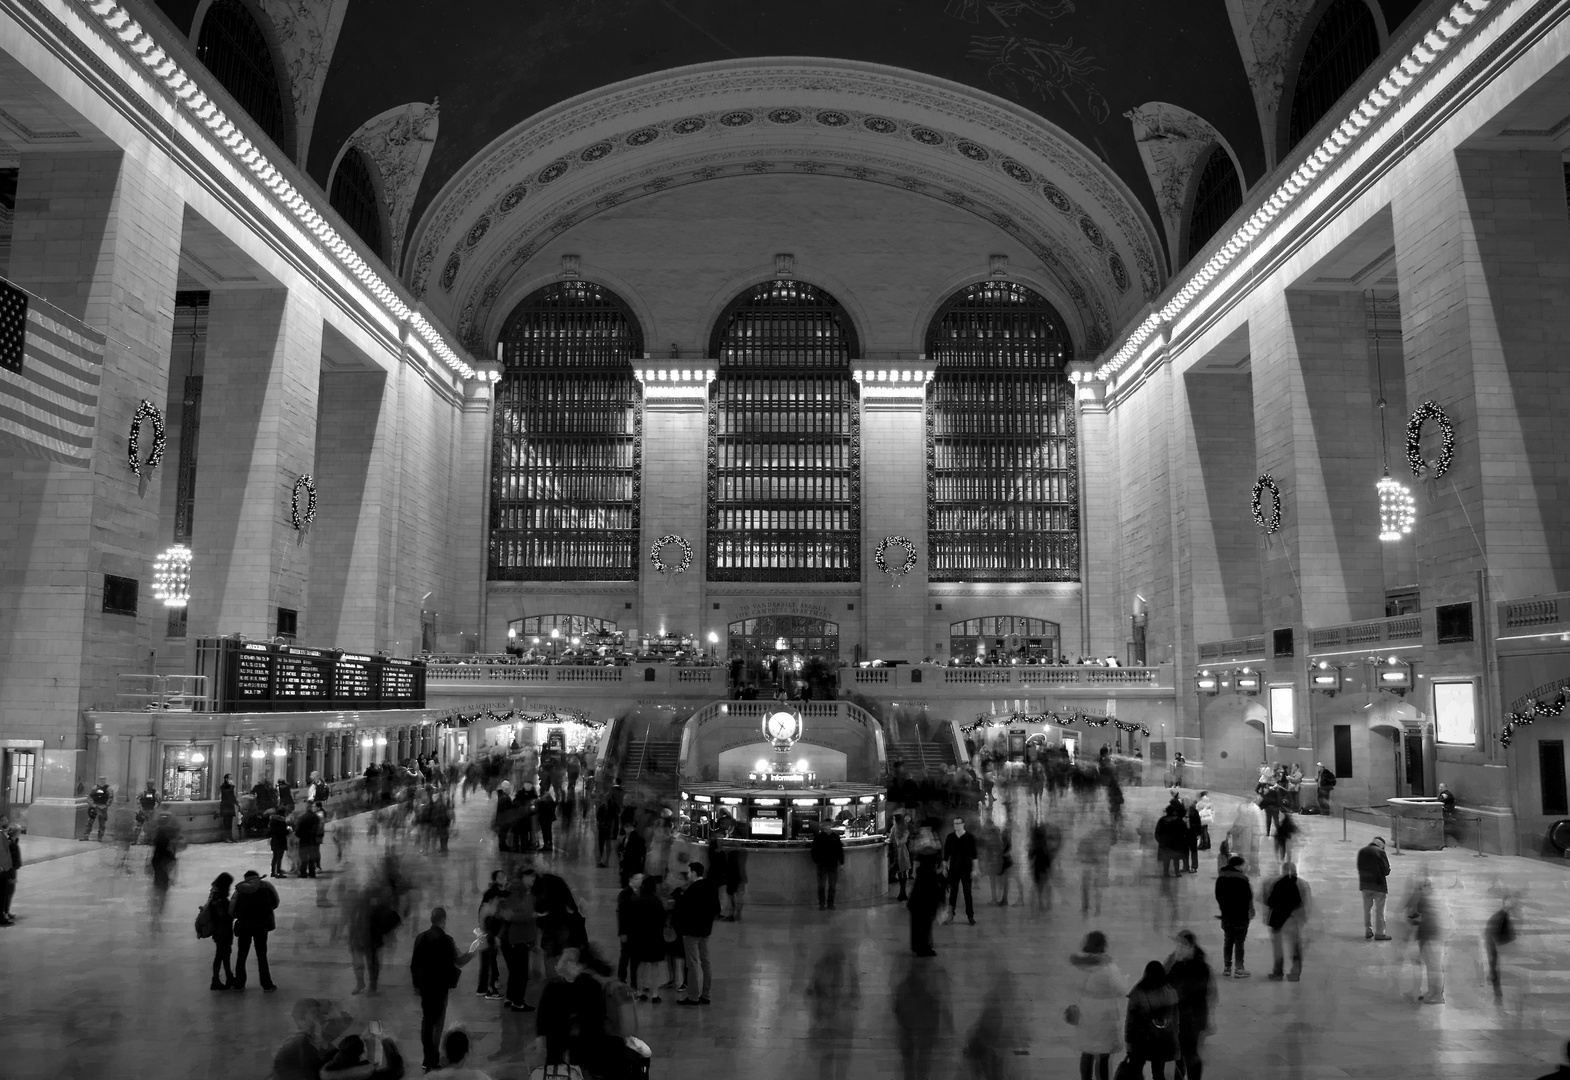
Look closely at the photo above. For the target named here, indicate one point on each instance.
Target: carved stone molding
(1171, 140)
(307, 31)
(1265, 31)
(398, 142)
(829, 117)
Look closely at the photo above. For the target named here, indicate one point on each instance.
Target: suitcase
(634, 1060)
(557, 1072)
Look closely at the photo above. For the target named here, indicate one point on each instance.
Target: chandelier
(1397, 509)
(172, 577)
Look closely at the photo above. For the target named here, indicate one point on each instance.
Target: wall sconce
(1393, 674)
(367, 742)
(1324, 678)
(279, 751)
(1247, 682)
(1208, 683)
(381, 740)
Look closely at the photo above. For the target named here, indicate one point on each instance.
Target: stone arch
(1294, 64)
(520, 290)
(811, 274)
(1050, 289)
(774, 116)
(287, 135)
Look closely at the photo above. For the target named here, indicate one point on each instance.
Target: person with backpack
(215, 921)
(1326, 781)
(146, 803)
(99, 800)
(1150, 1028)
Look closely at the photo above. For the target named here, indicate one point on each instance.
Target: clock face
(781, 726)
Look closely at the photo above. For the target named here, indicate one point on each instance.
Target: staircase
(921, 757)
(648, 769)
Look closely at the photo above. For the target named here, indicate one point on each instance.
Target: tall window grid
(1345, 41)
(566, 441)
(354, 196)
(1002, 475)
(784, 464)
(234, 49)
(1217, 196)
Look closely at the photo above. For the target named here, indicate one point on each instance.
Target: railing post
(1479, 827)
(1343, 825)
(1394, 835)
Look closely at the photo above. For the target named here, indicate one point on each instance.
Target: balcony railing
(1247, 648)
(160, 693)
(1396, 630)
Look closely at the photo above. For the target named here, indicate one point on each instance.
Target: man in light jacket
(1373, 867)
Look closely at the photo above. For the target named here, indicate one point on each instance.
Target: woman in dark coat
(646, 939)
(926, 889)
(1151, 1026)
(1189, 974)
(222, 923)
(277, 839)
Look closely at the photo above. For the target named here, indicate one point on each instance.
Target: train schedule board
(260, 676)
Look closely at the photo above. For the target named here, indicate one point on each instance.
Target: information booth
(767, 814)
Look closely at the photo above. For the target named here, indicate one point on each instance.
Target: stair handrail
(643, 751)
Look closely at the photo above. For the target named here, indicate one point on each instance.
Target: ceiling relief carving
(399, 143)
(1024, 55)
(1171, 140)
(307, 31)
(850, 121)
(1265, 31)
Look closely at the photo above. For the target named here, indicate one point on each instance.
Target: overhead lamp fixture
(1397, 508)
(279, 751)
(1393, 674)
(1207, 683)
(256, 753)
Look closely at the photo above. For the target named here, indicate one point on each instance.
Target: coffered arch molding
(859, 122)
(520, 289)
(1049, 290)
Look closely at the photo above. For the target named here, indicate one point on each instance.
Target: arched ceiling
(830, 119)
(1071, 75)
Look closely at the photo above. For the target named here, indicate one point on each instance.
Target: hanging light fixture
(172, 577)
(1397, 507)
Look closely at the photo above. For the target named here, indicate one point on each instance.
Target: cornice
(275, 188)
(1262, 238)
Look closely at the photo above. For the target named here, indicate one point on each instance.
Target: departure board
(256, 676)
(352, 679)
(305, 674)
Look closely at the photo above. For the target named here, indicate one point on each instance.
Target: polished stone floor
(89, 989)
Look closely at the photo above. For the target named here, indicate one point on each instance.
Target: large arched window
(1004, 638)
(784, 479)
(1002, 489)
(1217, 196)
(353, 195)
(1345, 41)
(234, 49)
(565, 439)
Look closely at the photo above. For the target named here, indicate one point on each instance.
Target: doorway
(785, 652)
(1414, 764)
(18, 770)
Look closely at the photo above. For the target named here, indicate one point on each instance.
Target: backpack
(204, 921)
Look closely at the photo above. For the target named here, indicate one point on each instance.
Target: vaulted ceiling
(467, 103)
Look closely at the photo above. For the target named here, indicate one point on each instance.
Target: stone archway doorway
(784, 652)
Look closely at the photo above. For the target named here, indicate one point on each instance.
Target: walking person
(1188, 972)
(519, 935)
(434, 965)
(959, 863)
(1172, 839)
(10, 863)
(1287, 902)
(1095, 861)
(828, 855)
(545, 814)
(1150, 1028)
(1195, 829)
(1042, 853)
(228, 804)
(1000, 866)
(1286, 831)
(253, 905)
(1206, 811)
(646, 926)
(605, 831)
(1097, 1015)
(693, 917)
(308, 831)
(926, 889)
(626, 914)
(490, 939)
(277, 840)
(221, 922)
(1422, 914)
(166, 843)
(1270, 803)
(1373, 870)
(146, 804)
(632, 851)
(1235, 898)
(899, 851)
(99, 800)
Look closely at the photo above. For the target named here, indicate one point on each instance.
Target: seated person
(455, 1049)
(367, 1057)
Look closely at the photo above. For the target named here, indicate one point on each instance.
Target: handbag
(1127, 1070)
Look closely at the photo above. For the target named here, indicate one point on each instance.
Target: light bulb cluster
(1397, 510)
(172, 577)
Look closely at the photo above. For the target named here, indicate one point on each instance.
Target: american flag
(50, 369)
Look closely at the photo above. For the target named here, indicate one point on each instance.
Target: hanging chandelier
(172, 577)
(1397, 509)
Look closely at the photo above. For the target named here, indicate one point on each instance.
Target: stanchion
(1479, 827)
(1343, 825)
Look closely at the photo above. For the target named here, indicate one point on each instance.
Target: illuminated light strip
(1386, 93)
(119, 22)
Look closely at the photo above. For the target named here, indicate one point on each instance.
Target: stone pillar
(894, 503)
(264, 349)
(352, 438)
(1099, 630)
(97, 235)
(469, 532)
(675, 502)
(1221, 537)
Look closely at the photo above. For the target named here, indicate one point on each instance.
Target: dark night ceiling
(1079, 65)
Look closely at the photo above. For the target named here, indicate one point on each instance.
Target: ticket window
(805, 820)
(766, 823)
(188, 772)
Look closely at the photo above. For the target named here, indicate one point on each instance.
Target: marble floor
(89, 989)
